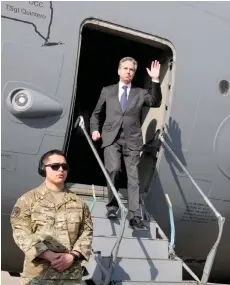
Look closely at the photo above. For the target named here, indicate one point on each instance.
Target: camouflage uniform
(27, 281)
(38, 225)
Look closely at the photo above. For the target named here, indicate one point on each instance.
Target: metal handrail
(221, 220)
(97, 259)
(124, 211)
(114, 257)
(80, 122)
(103, 269)
(172, 225)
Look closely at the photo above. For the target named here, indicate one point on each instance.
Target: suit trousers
(112, 159)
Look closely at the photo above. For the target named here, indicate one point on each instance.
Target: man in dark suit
(121, 132)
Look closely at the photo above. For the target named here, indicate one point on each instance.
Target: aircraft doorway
(100, 52)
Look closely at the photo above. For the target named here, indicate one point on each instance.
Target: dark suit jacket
(138, 98)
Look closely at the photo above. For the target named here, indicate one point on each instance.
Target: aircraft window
(224, 87)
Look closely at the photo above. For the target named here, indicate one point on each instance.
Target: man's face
(54, 171)
(126, 71)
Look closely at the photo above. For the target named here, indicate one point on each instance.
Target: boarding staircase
(121, 255)
(142, 257)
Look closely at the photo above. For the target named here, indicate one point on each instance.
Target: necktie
(124, 99)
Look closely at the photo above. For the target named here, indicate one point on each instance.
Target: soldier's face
(54, 173)
(126, 71)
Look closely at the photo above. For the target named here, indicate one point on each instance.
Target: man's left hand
(154, 73)
(63, 262)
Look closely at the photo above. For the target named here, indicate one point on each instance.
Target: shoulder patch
(16, 212)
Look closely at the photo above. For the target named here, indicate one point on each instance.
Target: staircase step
(104, 227)
(132, 248)
(146, 269)
(100, 191)
(100, 210)
(157, 283)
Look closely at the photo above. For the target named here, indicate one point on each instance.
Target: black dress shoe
(137, 224)
(111, 214)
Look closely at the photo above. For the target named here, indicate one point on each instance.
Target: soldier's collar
(43, 190)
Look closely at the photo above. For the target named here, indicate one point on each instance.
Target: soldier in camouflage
(53, 227)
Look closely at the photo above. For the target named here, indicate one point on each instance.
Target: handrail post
(212, 253)
(172, 226)
(221, 220)
(94, 200)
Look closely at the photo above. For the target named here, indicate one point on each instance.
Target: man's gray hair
(128, 59)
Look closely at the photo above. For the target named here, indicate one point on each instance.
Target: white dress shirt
(121, 90)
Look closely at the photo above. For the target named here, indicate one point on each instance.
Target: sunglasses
(56, 166)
